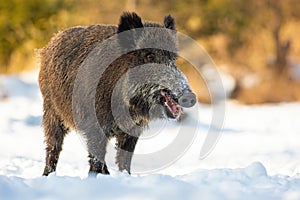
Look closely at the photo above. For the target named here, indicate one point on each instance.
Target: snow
(257, 156)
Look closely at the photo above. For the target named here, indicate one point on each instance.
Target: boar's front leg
(125, 148)
(96, 144)
(97, 166)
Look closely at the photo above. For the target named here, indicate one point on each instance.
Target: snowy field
(257, 156)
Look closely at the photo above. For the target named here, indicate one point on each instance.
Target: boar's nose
(187, 100)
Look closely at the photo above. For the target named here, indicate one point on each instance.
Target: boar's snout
(187, 99)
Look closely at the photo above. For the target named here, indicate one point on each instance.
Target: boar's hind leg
(55, 132)
(125, 148)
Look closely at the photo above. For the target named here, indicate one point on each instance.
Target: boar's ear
(129, 21)
(169, 22)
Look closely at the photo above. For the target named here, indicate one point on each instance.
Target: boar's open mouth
(173, 109)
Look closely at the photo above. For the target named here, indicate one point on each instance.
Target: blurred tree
(279, 13)
(22, 21)
(238, 21)
(229, 17)
(25, 25)
(202, 18)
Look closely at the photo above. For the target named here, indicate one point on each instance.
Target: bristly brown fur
(60, 62)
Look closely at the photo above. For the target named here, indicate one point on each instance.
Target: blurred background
(256, 44)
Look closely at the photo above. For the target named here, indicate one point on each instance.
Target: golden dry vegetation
(245, 39)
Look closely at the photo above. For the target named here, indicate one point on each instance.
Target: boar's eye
(150, 57)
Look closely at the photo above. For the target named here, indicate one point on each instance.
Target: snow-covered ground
(257, 156)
